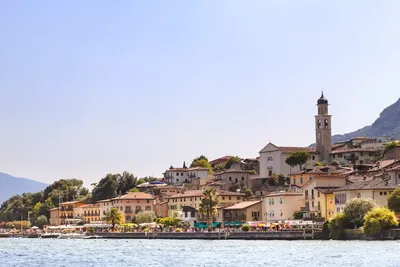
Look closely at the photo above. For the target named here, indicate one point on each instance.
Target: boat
(50, 235)
(92, 237)
(71, 236)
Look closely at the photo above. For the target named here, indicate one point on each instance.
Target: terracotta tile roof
(186, 169)
(375, 184)
(233, 171)
(90, 206)
(221, 159)
(71, 202)
(199, 193)
(277, 194)
(289, 149)
(135, 195)
(242, 205)
(362, 138)
(326, 190)
(353, 150)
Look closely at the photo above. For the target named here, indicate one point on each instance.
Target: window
(385, 193)
(313, 157)
(177, 174)
(310, 178)
(238, 198)
(280, 201)
(340, 155)
(223, 198)
(191, 199)
(333, 156)
(340, 199)
(312, 204)
(181, 173)
(230, 197)
(255, 215)
(294, 180)
(319, 206)
(230, 178)
(148, 201)
(270, 158)
(269, 173)
(121, 208)
(381, 193)
(301, 179)
(358, 195)
(148, 208)
(318, 194)
(281, 213)
(361, 154)
(177, 180)
(242, 178)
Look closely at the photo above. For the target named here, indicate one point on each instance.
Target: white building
(272, 159)
(184, 175)
(377, 190)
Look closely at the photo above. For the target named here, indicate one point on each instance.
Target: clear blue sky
(92, 87)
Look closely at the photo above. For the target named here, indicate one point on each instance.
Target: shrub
(145, 217)
(246, 228)
(298, 215)
(394, 200)
(178, 230)
(325, 230)
(355, 210)
(379, 220)
(318, 164)
(336, 226)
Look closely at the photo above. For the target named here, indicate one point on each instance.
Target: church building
(272, 157)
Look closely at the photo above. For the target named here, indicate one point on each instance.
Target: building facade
(178, 176)
(280, 206)
(323, 130)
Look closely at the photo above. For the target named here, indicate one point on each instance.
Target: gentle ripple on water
(177, 253)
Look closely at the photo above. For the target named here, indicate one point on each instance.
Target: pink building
(129, 204)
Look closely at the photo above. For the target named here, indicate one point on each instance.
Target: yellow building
(55, 217)
(69, 212)
(280, 206)
(90, 213)
(318, 195)
(192, 199)
(302, 177)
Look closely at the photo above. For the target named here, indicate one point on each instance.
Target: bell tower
(323, 130)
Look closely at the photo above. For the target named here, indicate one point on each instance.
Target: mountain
(388, 124)
(10, 185)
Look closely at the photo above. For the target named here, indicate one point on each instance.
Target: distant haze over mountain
(388, 124)
(10, 185)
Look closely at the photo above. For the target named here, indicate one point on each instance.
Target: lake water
(176, 253)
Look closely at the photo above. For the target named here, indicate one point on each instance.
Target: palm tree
(113, 216)
(208, 204)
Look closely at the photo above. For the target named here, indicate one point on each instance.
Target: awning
(234, 224)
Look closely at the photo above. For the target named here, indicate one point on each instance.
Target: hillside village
(281, 183)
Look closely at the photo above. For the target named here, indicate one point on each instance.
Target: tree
(145, 217)
(318, 164)
(391, 145)
(134, 190)
(231, 161)
(208, 204)
(335, 163)
(106, 188)
(336, 226)
(201, 162)
(394, 200)
(248, 193)
(298, 158)
(202, 157)
(282, 179)
(355, 210)
(41, 221)
(218, 168)
(298, 215)
(379, 220)
(113, 216)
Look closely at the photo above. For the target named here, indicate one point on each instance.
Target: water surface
(177, 253)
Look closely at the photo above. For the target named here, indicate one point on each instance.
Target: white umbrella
(35, 227)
